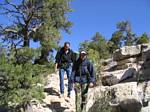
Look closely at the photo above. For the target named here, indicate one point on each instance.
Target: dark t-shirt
(62, 57)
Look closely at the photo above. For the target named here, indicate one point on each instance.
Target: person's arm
(56, 66)
(72, 74)
(57, 60)
(57, 57)
(73, 56)
(92, 75)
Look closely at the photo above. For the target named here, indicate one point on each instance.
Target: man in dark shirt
(83, 77)
(64, 59)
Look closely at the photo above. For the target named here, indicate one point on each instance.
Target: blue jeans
(61, 77)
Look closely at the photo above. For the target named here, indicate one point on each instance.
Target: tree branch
(13, 5)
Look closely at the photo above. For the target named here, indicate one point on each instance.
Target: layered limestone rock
(126, 52)
(130, 62)
(114, 77)
(94, 94)
(126, 98)
(127, 77)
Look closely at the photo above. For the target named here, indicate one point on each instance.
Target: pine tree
(143, 39)
(38, 20)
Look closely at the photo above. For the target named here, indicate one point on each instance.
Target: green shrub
(20, 82)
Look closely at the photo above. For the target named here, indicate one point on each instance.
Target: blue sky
(91, 16)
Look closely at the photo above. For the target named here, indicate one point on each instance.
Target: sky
(91, 16)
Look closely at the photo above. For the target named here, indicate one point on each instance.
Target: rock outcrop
(127, 78)
(131, 62)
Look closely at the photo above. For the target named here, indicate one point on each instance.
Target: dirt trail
(52, 97)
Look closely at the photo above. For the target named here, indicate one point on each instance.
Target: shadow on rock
(51, 91)
(56, 107)
(129, 75)
(128, 105)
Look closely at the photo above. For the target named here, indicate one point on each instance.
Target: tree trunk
(25, 33)
(26, 40)
(26, 43)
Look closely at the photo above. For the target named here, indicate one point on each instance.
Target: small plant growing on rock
(102, 104)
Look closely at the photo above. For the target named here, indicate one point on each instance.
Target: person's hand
(56, 67)
(91, 85)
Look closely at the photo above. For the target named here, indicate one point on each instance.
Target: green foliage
(54, 18)
(93, 55)
(115, 41)
(20, 83)
(143, 39)
(21, 76)
(37, 20)
(123, 35)
(99, 44)
(23, 55)
(97, 48)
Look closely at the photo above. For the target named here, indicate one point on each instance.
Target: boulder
(124, 91)
(126, 52)
(127, 78)
(108, 64)
(94, 94)
(144, 90)
(120, 65)
(125, 97)
(128, 105)
(114, 77)
(125, 61)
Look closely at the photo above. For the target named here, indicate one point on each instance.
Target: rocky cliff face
(127, 78)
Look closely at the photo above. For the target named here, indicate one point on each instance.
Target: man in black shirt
(64, 60)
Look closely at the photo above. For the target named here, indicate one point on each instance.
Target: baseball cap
(83, 52)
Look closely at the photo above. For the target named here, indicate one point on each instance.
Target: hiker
(64, 60)
(83, 77)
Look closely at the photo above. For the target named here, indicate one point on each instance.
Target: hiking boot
(68, 95)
